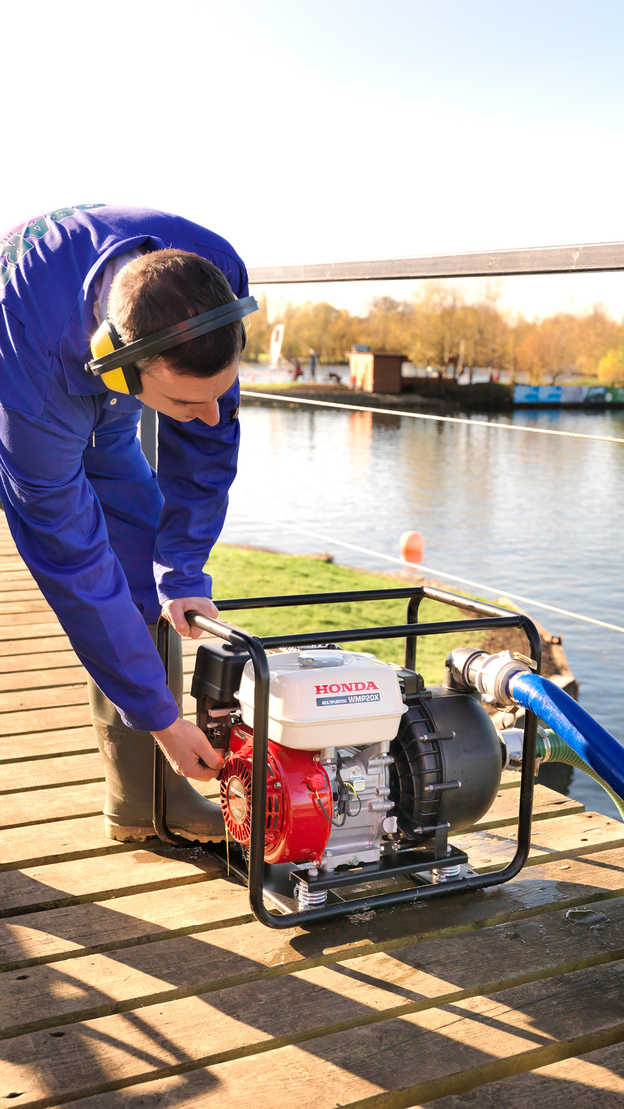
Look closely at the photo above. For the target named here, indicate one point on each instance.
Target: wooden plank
(42, 629)
(53, 644)
(103, 876)
(576, 834)
(12, 628)
(558, 836)
(10, 622)
(547, 803)
(432, 970)
(42, 699)
(510, 779)
(62, 933)
(14, 608)
(61, 771)
(36, 844)
(23, 590)
(31, 745)
(35, 745)
(593, 1081)
(66, 716)
(19, 590)
(20, 809)
(39, 806)
(58, 839)
(45, 639)
(18, 680)
(16, 670)
(320, 1041)
(143, 917)
(52, 694)
(573, 880)
(33, 671)
(41, 841)
(38, 700)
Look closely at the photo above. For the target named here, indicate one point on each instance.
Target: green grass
(286, 386)
(240, 572)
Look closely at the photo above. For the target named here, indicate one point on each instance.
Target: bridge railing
(584, 258)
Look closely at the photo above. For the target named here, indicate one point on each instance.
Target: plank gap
(50, 820)
(50, 785)
(46, 755)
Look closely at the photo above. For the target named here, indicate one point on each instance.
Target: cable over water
(451, 577)
(429, 416)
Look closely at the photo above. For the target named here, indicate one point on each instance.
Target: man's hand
(188, 752)
(174, 611)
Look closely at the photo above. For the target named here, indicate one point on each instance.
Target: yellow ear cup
(102, 343)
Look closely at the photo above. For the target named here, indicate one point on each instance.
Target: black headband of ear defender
(173, 336)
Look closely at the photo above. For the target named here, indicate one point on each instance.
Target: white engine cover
(327, 697)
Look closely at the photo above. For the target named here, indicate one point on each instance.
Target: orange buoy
(412, 545)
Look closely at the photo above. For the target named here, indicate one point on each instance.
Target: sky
(330, 131)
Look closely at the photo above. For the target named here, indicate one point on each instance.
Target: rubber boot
(129, 759)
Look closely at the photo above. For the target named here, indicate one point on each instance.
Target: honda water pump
(343, 774)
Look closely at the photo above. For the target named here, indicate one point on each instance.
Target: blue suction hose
(593, 743)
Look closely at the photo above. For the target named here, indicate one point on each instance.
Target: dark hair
(164, 287)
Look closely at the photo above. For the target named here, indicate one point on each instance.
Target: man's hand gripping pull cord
(188, 752)
(183, 744)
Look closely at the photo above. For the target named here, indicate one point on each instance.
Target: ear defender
(120, 379)
(115, 361)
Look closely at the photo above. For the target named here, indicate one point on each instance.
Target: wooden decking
(139, 977)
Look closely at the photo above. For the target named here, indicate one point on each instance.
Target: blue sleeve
(196, 466)
(61, 534)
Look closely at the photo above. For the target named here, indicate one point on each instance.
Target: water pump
(362, 761)
(343, 774)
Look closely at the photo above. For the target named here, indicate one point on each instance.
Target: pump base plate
(414, 864)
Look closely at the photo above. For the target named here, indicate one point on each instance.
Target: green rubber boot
(129, 759)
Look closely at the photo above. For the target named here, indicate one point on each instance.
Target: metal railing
(584, 258)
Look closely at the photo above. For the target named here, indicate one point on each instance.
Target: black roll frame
(493, 617)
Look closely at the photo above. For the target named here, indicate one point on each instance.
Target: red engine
(298, 800)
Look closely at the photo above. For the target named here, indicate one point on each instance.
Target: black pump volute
(447, 762)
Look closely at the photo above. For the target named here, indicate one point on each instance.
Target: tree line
(440, 330)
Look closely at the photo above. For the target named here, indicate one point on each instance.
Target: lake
(535, 515)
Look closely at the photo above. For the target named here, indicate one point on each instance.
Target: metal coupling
(458, 664)
(512, 740)
(489, 675)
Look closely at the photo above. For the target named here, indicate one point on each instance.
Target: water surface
(530, 514)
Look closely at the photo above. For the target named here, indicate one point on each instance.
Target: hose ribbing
(557, 750)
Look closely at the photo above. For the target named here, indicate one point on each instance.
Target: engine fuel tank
(327, 697)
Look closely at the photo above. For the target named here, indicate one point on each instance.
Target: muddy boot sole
(124, 833)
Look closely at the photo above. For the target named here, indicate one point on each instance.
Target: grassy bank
(242, 572)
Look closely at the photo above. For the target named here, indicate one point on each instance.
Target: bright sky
(330, 130)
